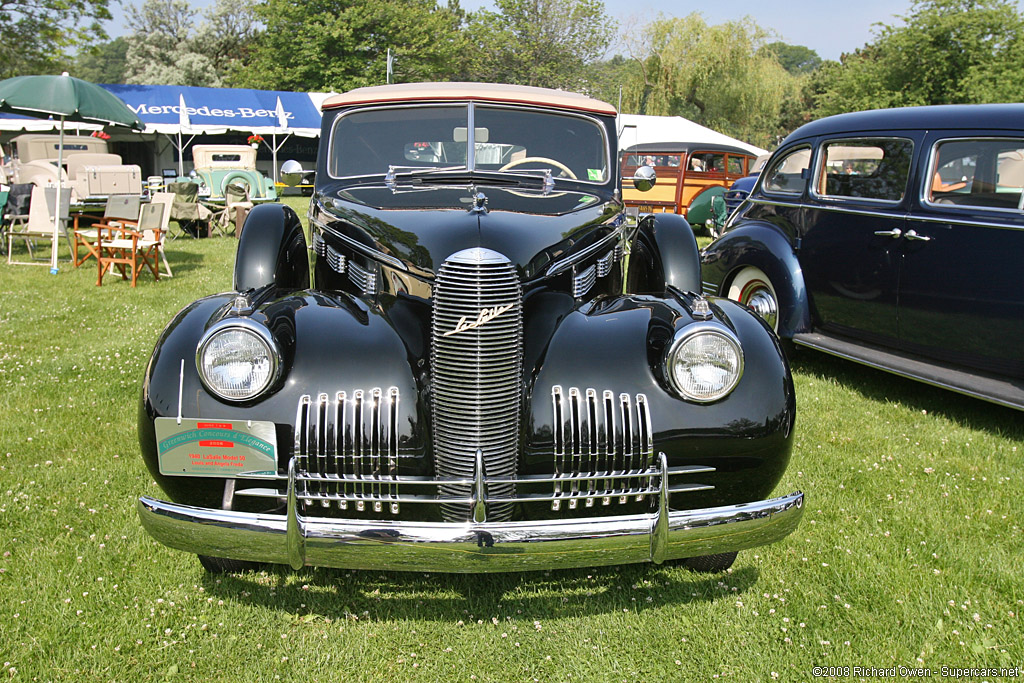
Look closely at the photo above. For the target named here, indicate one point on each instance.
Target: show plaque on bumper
(216, 448)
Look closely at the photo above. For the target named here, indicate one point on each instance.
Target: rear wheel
(752, 288)
(710, 564)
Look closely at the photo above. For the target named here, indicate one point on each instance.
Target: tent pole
(56, 212)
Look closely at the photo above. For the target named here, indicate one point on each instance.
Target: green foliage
(104, 63)
(324, 45)
(947, 51)
(546, 43)
(167, 47)
(36, 35)
(719, 76)
(796, 59)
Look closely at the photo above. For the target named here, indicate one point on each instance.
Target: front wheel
(222, 565)
(710, 564)
(752, 288)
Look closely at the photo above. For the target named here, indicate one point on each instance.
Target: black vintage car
(892, 238)
(451, 371)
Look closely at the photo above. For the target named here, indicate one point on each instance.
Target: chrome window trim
(931, 169)
(819, 162)
(761, 178)
(905, 216)
(470, 106)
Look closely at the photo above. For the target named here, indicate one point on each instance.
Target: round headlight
(238, 360)
(704, 364)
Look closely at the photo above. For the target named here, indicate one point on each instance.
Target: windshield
(371, 141)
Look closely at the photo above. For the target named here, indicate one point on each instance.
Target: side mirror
(644, 178)
(291, 173)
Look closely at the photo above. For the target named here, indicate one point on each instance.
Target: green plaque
(216, 448)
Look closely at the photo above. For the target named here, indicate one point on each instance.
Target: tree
(718, 76)
(323, 45)
(947, 51)
(167, 47)
(104, 63)
(546, 43)
(796, 59)
(38, 34)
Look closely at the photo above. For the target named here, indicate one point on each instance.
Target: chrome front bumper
(470, 547)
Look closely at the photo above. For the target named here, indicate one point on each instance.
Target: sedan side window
(981, 173)
(788, 175)
(875, 169)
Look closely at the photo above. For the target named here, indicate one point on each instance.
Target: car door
(960, 294)
(851, 249)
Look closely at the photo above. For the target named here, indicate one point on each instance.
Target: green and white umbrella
(63, 98)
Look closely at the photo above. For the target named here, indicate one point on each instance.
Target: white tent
(636, 129)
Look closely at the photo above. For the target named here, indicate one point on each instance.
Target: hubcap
(759, 298)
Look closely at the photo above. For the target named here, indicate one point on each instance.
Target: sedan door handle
(911, 235)
(895, 233)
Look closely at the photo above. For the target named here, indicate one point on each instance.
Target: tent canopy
(636, 129)
(210, 110)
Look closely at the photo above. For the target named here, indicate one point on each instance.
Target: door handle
(895, 233)
(911, 235)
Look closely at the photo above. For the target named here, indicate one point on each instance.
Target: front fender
(760, 245)
(271, 250)
(664, 254)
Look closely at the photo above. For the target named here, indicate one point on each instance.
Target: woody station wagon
(451, 371)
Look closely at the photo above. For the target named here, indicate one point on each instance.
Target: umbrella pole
(56, 212)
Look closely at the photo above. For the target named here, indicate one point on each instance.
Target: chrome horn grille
(476, 357)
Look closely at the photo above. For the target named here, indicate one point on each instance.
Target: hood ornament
(479, 202)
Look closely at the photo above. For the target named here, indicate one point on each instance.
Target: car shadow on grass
(526, 596)
(886, 387)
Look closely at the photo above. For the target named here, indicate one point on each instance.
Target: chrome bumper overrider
(297, 540)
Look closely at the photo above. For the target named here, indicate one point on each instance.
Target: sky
(829, 27)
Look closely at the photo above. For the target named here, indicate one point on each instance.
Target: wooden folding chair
(39, 224)
(122, 210)
(166, 200)
(130, 249)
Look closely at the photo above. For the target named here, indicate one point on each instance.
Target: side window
(874, 168)
(707, 162)
(788, 174)
(735, 165)
(983, 173)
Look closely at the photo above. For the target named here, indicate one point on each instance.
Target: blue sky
(829, 27)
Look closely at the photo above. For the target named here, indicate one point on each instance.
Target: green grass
(909, 553)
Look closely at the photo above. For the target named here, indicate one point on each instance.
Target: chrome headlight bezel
(262, 335)
(688, 335)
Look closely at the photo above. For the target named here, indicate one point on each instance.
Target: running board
(1004, 392)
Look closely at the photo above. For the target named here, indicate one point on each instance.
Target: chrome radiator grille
(346, 449)
(602, 445)
(476, 360)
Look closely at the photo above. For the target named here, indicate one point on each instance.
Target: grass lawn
(910, 553)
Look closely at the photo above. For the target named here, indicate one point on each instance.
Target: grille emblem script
(485, 315)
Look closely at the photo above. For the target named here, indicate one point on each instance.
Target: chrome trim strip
(963, 221)
(569, 261)
(369, 252)
(469, 547)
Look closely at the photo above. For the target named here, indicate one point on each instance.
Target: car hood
(423, 226)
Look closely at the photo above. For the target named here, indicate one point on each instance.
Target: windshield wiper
(390, 178)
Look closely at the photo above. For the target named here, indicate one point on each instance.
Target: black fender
(664, 253)
(271, 250)
(761, 245)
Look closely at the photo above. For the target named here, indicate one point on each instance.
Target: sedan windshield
(410, 139)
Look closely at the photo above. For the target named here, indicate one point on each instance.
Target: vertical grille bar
(476, 362)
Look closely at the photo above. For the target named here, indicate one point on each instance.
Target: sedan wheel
(752, 288)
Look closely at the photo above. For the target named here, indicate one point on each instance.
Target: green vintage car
(217, 166)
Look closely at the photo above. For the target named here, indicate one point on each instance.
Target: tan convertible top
(480, 92)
